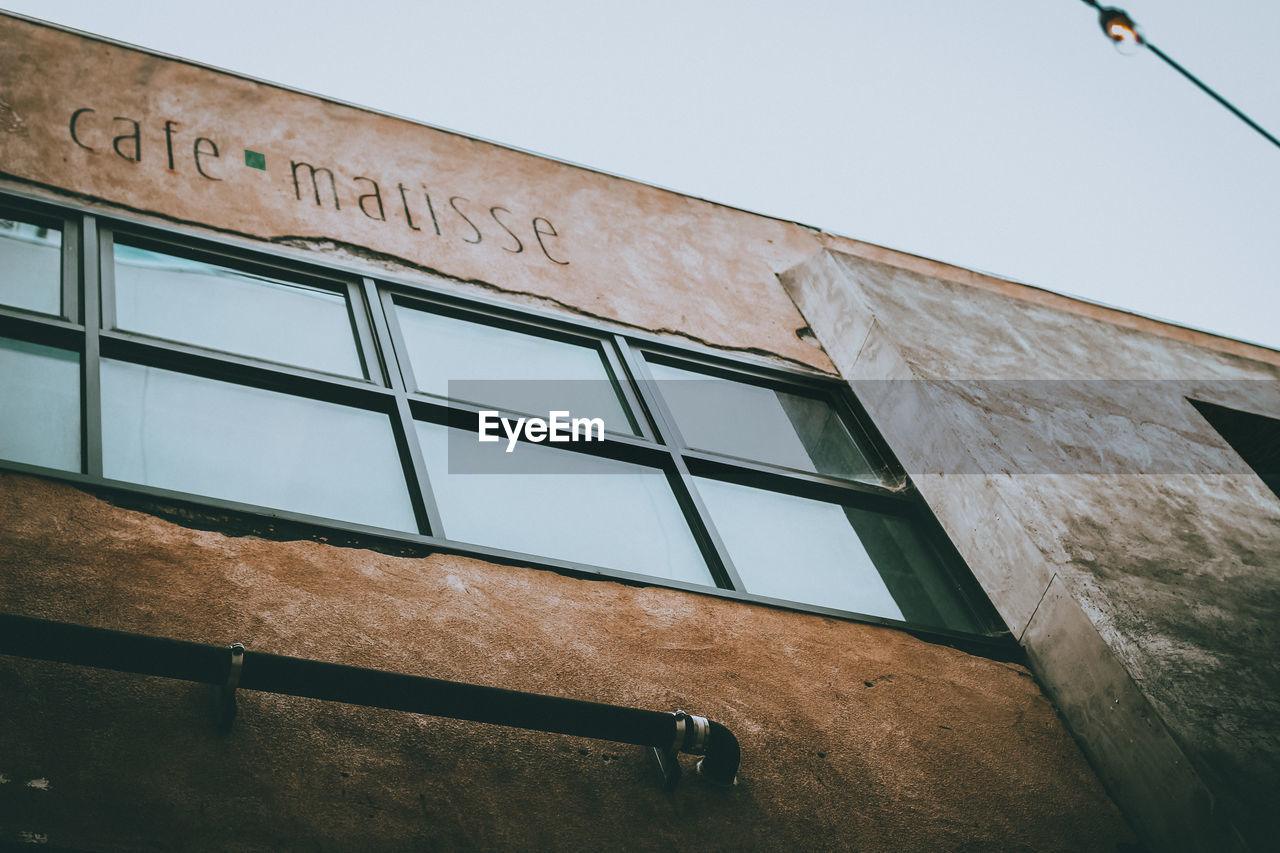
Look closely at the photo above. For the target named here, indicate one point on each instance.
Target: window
(239, 311)
(835, 555)
(31, 264)
(526, 373)
(799, 497)
(39, 404)
(1255, 437)
(209, 437)
(255, 384)
(592, 510)
(757, 421)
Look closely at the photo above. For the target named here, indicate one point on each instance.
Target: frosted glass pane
(607, 513)
(214, 438)
(522, 373)
(236, 312)
(796, 549)
(30, 267)
(763, 424)
(834, 556)
(39, 405)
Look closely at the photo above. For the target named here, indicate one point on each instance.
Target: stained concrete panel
(1126, 739)
(1068, 444)
(949, 329)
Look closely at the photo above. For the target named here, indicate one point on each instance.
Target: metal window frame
(253, 264)
(510, 320)
(87, 328)
(67, 224)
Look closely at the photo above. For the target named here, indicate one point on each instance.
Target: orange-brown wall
(854, 737)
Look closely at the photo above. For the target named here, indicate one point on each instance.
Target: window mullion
(395, 353)
(93, 247)
(420, 492)
(363, 332)
(713, 548)
(106, 280)
(802, 483)
(626, 384)
(425, 506)
(71, 269)
(650, 400)
(682, 483)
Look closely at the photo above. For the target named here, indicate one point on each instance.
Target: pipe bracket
(227, 691)
(668, 759)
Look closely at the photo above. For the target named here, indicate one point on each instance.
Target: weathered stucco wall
(854, 736)
(520, 223)
(1122, 539)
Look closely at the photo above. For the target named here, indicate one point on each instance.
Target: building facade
(962, 564)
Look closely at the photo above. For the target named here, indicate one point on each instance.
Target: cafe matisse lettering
(316, 185)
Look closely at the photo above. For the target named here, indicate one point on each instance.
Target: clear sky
(1008, 137)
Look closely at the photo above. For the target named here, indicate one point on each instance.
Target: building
(962, 564)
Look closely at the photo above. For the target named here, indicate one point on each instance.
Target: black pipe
(723, 754)
(24, 636)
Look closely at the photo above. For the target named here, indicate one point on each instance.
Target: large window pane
(209, 437)
(835, 556)
(606, 513)
(231, 311)
(519, 372)
(30, 267)
(39, 405)
(763, 424)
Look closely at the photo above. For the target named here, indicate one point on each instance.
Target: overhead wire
(1108, 15)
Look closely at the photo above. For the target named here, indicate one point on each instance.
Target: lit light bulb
(1121, 29)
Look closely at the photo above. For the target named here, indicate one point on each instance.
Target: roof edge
(1078, 305)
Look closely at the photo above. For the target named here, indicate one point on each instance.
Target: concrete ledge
(1142, 766)
(880, 323)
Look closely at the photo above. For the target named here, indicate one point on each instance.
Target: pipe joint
(692, 732)
(699, 736)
